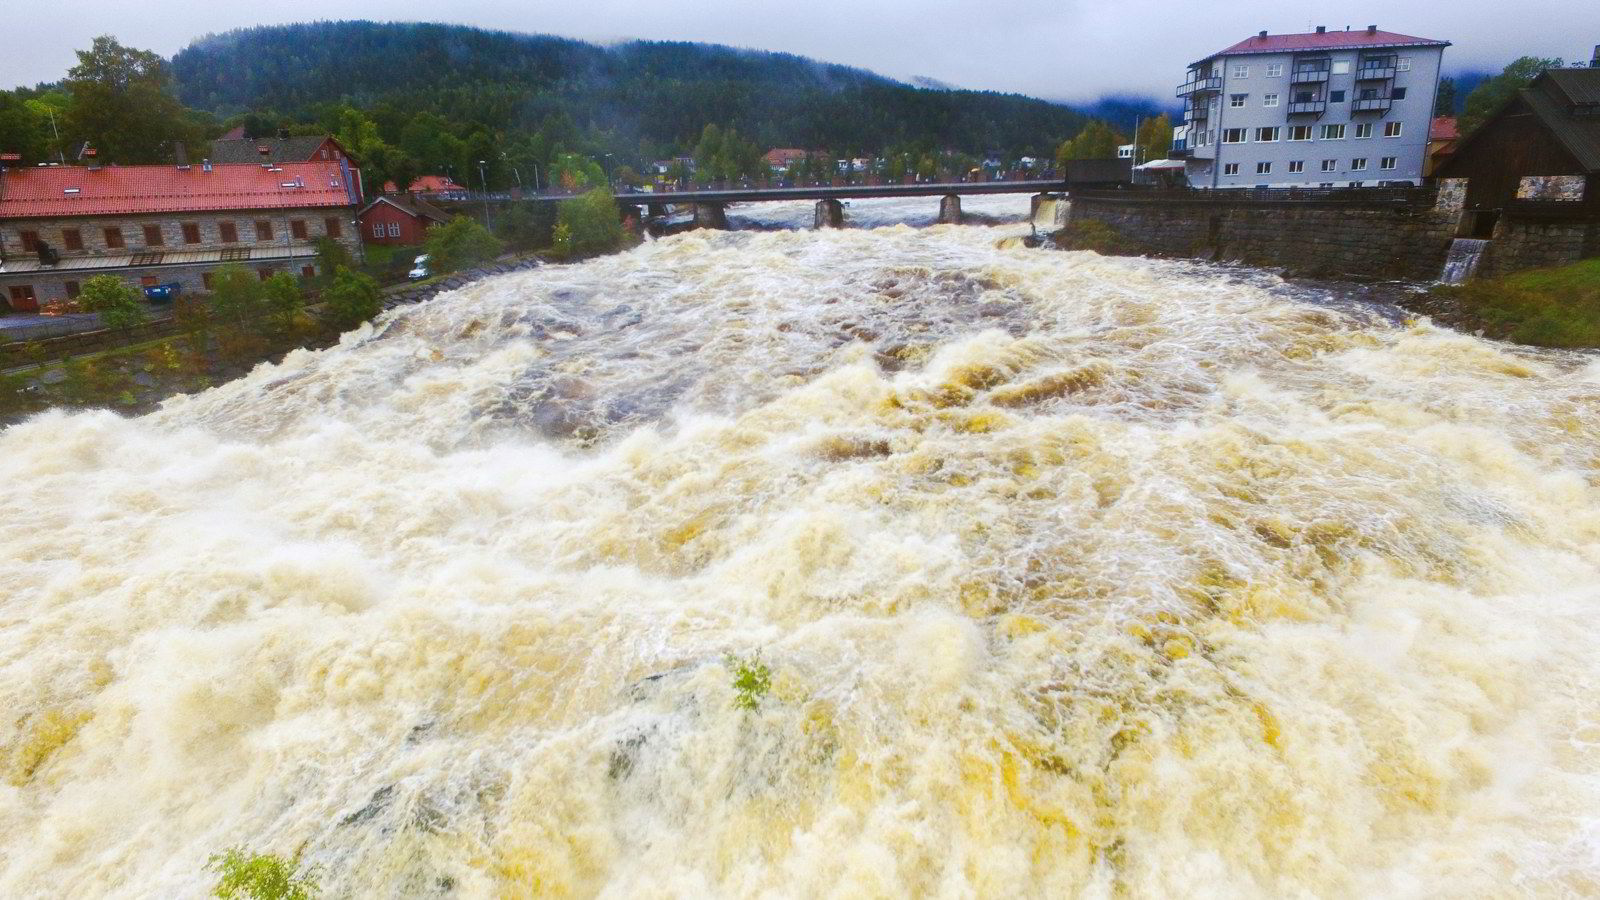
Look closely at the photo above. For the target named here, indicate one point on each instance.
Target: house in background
(437, 187)
(780, 159)
(1538, 155)
(1442, 136)
(61, 225)
(234, 147)
(1322, 109)
(399, 220)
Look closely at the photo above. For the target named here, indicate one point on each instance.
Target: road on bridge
(831, 192)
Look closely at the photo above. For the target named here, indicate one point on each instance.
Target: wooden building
(1537, 156)
(399, 220)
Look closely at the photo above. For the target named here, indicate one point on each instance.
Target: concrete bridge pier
(950, 210)
(711, 215)
(657, 210)
(830, 214)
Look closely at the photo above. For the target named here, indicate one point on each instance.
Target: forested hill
(653, 93)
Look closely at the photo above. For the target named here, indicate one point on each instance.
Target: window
(1296, 166)
(1267, 135)
(394, 229)
(263, 230)
(1305, 96)
(308, 271)
(1263, 168)
(1333, 132)
(72, 290)
(230, 233)
(114, 239)
(1233, 135)
(1329, 165)
(1230, 168)
(1389, 162)
(152, 236)
(1364, 130)
(1237, 100)
(1325, 184)
(1403, 64)
(377, 229)
(1359, 164)
(205, 280)
(1355, 184)
(1391, 129)
(1342, 67)
(191, 233)
(1274, 70)
(298, 229)
(30, 241)
(331, 225)
(1397, 94)
(1269, 99)
(1299, 132)
(72, 238)
(1241, 71)
(1336, 96)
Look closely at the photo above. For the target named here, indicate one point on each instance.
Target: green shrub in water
(751, 680)
(260, 876)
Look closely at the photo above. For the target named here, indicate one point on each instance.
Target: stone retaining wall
(1519, 244)
(404, 295)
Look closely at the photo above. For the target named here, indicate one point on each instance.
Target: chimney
(1594, 61)
(283, 133)
(1261, 34)
(205, 165)
(1372, 29)
(1322, 29)
(180, 154)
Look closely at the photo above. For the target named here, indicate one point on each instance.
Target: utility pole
(483, 182)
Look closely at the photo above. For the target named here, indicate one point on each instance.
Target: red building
(399, 220)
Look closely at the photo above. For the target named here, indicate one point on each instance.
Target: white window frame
(1274, 70)
(1269, 99)
(1297, 166)
(1341, 67)
(1389, 163)
(1263, 168)
(394, 229)
(1243, 133)
(1271, 131)
(1237, 101)
(1359, 164)
(1363, 129)
(1230, 168)
(1330, 165)
(1241, 70)
(1395, 127)
(1328, 131)
(1403, 64)
(377, 229)
(1310, 131)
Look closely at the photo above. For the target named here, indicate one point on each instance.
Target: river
(866, 562)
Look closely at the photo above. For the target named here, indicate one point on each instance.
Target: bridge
(710, 204)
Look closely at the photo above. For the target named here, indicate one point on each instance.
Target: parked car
(420, 270)
(163, 293)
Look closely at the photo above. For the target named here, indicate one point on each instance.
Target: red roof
(123, 190)
(1326, 40)
(782, 156)
(1443, 128)
(426, 184)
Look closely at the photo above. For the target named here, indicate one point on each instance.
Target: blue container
(163, 293)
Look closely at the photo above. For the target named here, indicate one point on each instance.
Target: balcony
(1200, 86)
(1371, 104)
(1374, 73)
(1308, 76)
(1311, 107)
(1196, 112)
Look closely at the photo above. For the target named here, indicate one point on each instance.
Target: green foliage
(353, 298)
(573, 172)
(460, 244)
(752, 679)
(260, 876)
(592, 223)
(123, 103)
(1153, 140)
(1092, 234)
(1494, 92)
(117, 303)
(561, 240)
(237, 299)
(1097, 140)
(331, 256)
(526, 225)
(1557, 307)
(722, 155)
(283, 300)
(1444, 99)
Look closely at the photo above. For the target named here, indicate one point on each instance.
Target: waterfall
(1465, 254)
(1051, 214)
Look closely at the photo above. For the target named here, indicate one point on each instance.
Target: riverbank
(1555, 307)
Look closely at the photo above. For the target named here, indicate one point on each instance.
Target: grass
(1557, 307)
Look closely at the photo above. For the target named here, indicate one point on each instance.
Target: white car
(421, 268)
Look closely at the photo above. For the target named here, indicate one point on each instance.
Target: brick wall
(1520, 244)
(92, 230)
(51, 287)
(1384, 241)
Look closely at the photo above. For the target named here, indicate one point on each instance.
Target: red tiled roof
(125, 190)
(1443, 128)
(781, 155)
(1326, 40)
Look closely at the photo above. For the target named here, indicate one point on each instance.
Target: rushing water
(1073, 576)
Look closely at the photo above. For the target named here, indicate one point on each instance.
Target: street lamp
(483, 181)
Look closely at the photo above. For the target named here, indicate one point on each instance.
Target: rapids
(1074, 576)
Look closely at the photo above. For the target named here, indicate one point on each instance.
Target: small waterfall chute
(1463, 259)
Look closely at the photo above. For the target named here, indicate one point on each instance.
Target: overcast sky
(1060, 49)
